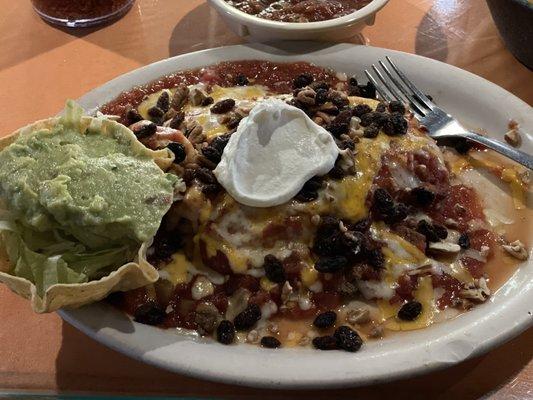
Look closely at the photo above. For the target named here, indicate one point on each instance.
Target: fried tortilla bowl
(72, 295)
(129, 276)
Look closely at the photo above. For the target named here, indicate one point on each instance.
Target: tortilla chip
(129, 276)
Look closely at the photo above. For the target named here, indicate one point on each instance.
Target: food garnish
(276, 149)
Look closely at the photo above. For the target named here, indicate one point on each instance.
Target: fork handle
(519, 156)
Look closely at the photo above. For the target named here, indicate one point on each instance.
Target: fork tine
(402, 93)
(383, 81)
(421, 96)
(378, 87)
(391, 86)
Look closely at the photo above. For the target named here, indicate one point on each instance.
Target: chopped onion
(496, 218)
(404, 178)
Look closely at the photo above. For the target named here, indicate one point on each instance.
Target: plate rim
(286, 382)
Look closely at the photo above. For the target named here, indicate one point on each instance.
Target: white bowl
(259, 29)
(477, 103)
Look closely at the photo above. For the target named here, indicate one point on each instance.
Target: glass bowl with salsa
(267, 20)
(81, 13)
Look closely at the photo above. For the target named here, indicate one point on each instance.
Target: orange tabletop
(41, 66)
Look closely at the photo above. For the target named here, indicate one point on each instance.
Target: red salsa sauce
(453, 202)
(298, 10)
(278, 77)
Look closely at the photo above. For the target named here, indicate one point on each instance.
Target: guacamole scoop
(80, 199)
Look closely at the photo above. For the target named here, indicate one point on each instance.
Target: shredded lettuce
(49, 258)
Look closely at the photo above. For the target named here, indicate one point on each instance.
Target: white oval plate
(476, 102)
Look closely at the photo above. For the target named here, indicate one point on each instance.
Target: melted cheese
(459, 272)
(236, 226)
(309, 276)
(399, 256)
(458, 165)
(293, 339)
(267, 284)
(248, 93)
(354, 100)
(376, 289)
(176, 271)
(211, 125)
(205, 212)
(238, 262)
(510, 175)
(479, 160)
(351, 192)
(150, 101)
(244, 96)
(423, 294)
(413, 253)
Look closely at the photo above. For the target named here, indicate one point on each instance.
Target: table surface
(41, 66)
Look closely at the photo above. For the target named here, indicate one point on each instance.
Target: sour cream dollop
(274, 151)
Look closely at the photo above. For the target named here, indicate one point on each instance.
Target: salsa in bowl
(298, 20)
(299, 10)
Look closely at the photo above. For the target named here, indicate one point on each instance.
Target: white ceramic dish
(475, 101)
(260, 30)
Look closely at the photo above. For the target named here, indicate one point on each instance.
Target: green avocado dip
(79, 200)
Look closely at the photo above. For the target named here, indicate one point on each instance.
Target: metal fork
(440, 125)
